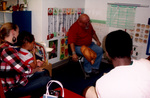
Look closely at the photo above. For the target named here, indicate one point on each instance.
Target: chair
(41, 54)
(80, 60)
(2, 95)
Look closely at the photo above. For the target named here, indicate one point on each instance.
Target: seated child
(26, 41)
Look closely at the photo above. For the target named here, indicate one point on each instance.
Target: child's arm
(34, 63)
(37, 69)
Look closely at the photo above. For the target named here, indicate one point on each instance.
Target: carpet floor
(72, 77)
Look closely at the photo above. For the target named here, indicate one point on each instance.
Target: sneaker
(95, 71)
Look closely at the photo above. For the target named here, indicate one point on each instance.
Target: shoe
(95, 71)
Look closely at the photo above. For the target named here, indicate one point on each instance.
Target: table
(70, 94)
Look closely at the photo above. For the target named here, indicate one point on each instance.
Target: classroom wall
(39, 10)
(97, 9)
(36, 7)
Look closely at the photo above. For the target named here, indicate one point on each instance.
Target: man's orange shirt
(80, 36)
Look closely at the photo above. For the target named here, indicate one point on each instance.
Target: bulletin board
(120, 16)
(139, 36)
(140, 33)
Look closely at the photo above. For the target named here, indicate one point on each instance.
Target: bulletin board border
(98, 21)
(148, 46)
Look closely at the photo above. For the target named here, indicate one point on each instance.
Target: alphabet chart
(120, 16)
(60, 20)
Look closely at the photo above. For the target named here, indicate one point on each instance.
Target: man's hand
(75, 57)
(98, 43)
(96, 39)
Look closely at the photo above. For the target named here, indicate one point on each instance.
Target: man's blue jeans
(87, 65)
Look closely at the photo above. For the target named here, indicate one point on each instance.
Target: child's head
(118, 44)
(26, 40)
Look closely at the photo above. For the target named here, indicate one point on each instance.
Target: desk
(69, 94)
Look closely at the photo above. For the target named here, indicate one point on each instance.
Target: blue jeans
(87, 65)
(35, 86)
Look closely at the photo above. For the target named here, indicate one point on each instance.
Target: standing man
(81, 33)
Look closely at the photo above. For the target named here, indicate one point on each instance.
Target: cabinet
(21, 18)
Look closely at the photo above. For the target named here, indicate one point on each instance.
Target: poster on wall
(53, 44)
(139, 35)
(120, 16)
(55, 15)
(60, 20)
(50, 20)
(64, 49)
